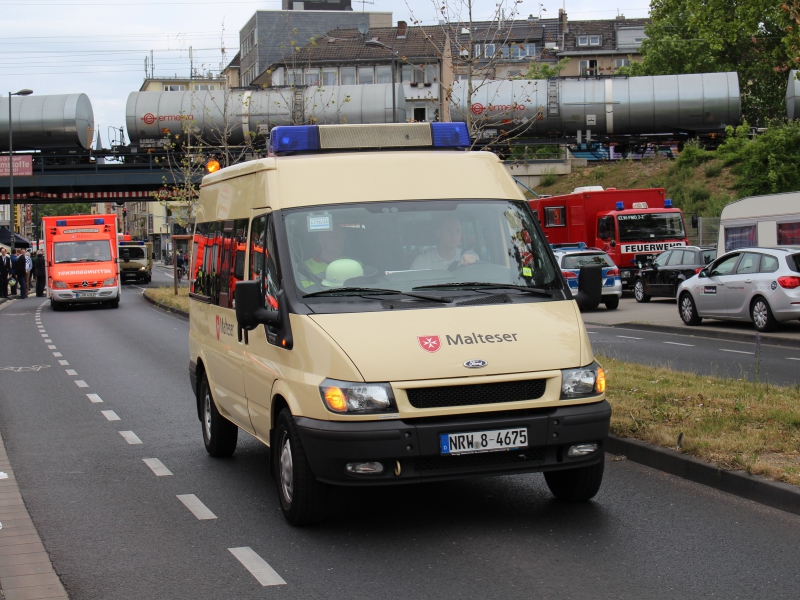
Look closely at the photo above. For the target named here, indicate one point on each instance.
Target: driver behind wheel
(447, 252)
(330, 248)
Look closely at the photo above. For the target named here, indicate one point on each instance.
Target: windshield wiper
(487, 286)
(379, 291)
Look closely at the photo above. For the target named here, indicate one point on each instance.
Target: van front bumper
(101, 294)
(413, 444)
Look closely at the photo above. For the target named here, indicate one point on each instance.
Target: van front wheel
(219, 434)
(575, 485)
(303, 499)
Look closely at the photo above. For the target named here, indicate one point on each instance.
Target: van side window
(264, 264)
(199, 273)
(234, 236)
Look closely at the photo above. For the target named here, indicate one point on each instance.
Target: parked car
(571, 259)
(761, 285)
(670, 269)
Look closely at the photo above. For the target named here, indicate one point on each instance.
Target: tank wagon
(64, 121)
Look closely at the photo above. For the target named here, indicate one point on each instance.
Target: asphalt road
(115, 529)
(707, 356)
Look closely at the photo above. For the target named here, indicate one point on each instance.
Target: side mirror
(126, 256)
(703, 273)
(694, 221)
(613, 244)
(250, 311)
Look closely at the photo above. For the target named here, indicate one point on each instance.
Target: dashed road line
(48, 341)
(736, 351)
(63, 363)
(52, 347)
(44, 335)
(110, 415)
(130, 437)
(792, 358)
(71, 372)
(81, 383)
(157, 467)
(679, 344)
(627, 337)
(94, 398)
(198, 509)
(258, 567)
(57, 354)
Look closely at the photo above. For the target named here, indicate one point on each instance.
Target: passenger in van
(447, 252)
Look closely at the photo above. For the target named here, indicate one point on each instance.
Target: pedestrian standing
(21, 274)
(5, 271)
(41, 275)
(28, 270)
(13, 275)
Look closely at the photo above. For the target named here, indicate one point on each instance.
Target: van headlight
(586, 381)
(61, 285)
(343, 397)
(110, 281)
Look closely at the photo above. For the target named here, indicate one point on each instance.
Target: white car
(761, 285)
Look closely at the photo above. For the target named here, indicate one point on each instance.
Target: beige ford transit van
(379, 306)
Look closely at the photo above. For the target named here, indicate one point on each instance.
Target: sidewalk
(661, 314)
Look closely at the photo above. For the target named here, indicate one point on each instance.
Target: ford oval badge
(475, 363)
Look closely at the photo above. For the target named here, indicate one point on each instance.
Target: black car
(669, 270)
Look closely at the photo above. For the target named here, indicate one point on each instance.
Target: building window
(174, 88)
(477, 51)
(588, 68)
(583, 40)
(489, 50)
(594, 40)
(638, 40)
(249, 42)
(329, 77)
(348, 76)
(247, 76)
(589, 40)
(383, 74)
(366, 75)
(312, 77)
(431, 73)
(555, 216)
(621, 62)
(530, 50)
(294, 77)
(205, 87)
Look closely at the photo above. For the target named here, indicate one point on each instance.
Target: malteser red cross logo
(429, 343)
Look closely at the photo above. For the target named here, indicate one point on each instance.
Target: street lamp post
(374, 42)
(11, 166)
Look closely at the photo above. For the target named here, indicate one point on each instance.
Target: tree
(704, 36)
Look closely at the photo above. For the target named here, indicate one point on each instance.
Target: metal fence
(707, 232)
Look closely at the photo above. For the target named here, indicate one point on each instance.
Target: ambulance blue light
(620, 205)
(668, 203)
(99, 221)
(450, 135)
(294, 138)
(61, 223)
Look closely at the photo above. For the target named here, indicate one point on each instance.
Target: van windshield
(134, 252)
(417, 245)
(83, 251)
(650, 226)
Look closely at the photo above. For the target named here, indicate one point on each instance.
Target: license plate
(483, 441)
(85, 294)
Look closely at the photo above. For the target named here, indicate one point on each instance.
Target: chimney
(402, 28)
(562, 21)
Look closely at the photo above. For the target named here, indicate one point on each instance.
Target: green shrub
(693, 155)
(713, 170)
(548, 178)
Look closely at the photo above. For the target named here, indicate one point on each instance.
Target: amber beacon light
(212, 166)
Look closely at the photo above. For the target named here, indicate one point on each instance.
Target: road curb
(782, 496)
(162, 306)
(699, 332)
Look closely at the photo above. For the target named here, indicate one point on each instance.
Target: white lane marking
(627, 337)
(57, 354)
(791, 358)
(677, 344)
(63, 363)
(81, 383)
(130, 437)
(44, 335)
(592, 332)
(51, 347)
(258, 567)
(110, 415)
(94, 398)
(157, 467)
(70, 371)
(736, 351)
(198, 509)
(48, 341)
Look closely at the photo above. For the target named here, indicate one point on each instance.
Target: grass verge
(734, 424)
(166, 295)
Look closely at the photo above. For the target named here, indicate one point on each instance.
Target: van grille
(481, 393)
(90, 284)
(432, 463)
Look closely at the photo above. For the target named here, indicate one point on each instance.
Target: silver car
(761, 285)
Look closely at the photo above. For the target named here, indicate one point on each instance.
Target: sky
(98, 47)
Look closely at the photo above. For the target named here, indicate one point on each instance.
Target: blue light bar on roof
(99, 221)
(61, 223)
(294, 138)
(620, 205)
(668, 203)
(450, 135)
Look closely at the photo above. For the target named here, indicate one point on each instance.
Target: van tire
(114, 303)
(219, 434)
(55, 305)
(303, 499)
(576, 485)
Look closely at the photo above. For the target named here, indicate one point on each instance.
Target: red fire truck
(632, 226)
